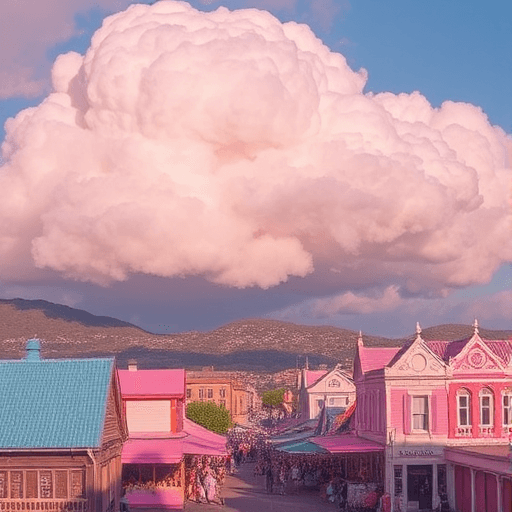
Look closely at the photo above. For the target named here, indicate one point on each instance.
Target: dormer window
(334, 383)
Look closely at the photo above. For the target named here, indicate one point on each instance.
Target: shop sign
(416, 453)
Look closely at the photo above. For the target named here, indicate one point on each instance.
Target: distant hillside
(250, 345)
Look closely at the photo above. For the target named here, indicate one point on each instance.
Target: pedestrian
(269, 478)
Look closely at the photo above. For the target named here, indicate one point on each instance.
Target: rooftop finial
(418, 329)
(475, 325)
(360, 340)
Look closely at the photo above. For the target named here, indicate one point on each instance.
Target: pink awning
(170, 499)
(346, 443)
(201, 441)
(152, 451)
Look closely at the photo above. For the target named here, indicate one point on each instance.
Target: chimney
(33, 350)
(132, 365)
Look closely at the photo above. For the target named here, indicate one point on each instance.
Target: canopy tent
(347, 443)
(300, 447)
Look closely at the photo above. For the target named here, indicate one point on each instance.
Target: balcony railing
(486, 431)
(464, 431)
(68, 505)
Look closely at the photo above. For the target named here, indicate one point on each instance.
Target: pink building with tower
(443, 412)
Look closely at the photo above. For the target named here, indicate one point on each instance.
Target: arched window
(464, 408)
(486, 407)
(507, 408)
(334, 383)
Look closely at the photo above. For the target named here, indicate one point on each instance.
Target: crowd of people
(204, 478)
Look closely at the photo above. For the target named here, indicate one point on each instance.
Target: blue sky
(446, 50)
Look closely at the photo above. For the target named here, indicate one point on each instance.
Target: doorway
(419, 487)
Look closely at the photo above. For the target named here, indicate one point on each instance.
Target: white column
(435, 486)
(499, 482)
(473, 490)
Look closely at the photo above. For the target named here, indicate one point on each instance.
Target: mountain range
(254, 345)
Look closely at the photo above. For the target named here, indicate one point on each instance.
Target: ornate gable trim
(476, 356)
(418, 359)
(337, 374)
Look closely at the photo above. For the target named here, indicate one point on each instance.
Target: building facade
(333, 389)
(443, 411)
(61, 434)
(224, 389)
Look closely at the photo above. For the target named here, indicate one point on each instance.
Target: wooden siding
(113, 424)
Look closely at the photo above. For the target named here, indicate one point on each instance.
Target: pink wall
(397, 401)
(474, 389)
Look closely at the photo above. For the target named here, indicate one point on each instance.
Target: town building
(161, 439)
(61, 434)
(443, 412)
(223, 388)
(333, 388)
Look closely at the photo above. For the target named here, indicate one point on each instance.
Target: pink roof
(375, 358)
(313, 375)
(159, 498)
(152, 383)
(346, 443)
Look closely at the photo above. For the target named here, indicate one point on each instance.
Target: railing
(486, 431)
(78, 505)
(464, 431)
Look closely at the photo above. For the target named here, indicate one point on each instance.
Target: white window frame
(483, 394)
(507, 397)
(425, 414)
(463, 392)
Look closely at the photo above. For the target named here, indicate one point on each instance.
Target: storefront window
(398, 481)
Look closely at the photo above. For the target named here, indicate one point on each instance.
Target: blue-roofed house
(62, 429)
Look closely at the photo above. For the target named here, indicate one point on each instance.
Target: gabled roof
(53, 403)
(152, 383)
(313, 376)
(375, 358)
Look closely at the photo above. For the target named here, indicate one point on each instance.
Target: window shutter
(407, 414)
(433, 413)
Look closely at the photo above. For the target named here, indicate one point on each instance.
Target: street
(244, 492)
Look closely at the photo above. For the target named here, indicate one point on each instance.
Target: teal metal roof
(301, 447)
(53, 403)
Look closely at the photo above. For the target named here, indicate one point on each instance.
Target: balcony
(466, 431)
(78, 505)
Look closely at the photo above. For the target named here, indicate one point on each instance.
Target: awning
(201, 441)
(152, 451)
(301, 447)
(347, 443)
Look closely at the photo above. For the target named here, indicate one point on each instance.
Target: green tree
(210, 415)
(272, 399)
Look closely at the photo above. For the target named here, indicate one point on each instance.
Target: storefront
(417, 477)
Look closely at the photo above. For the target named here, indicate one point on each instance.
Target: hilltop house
(442, 410)
(160, 438)
(334, 389)
(61, 434)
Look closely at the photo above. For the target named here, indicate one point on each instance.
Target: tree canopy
(210, 415)
(273, 397)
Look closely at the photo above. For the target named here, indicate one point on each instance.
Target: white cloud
(229, 145)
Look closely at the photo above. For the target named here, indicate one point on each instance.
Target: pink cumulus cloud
(239, 148)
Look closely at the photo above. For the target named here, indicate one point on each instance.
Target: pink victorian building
(443, 411)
